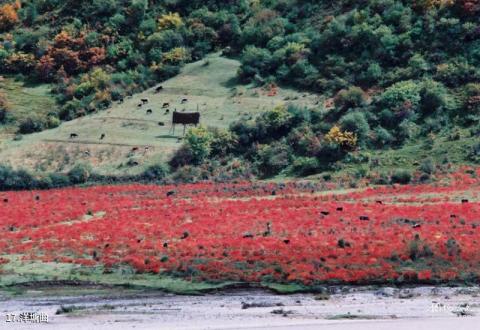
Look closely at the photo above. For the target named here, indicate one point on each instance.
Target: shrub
(474, 154)
(199, 141)
(353, 97)
(273, 158)
(305, 166)
(31, 125)
(155, 172)
(382, 137)
(80, 173)
(404, 95)
(401, 176)
(8, 16)
(356, 123)
(346, 140)
(427, 166)
(11, 179)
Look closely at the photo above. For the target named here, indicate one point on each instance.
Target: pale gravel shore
(422, 308)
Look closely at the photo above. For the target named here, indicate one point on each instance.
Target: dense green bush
(80, 173)
(401, 176)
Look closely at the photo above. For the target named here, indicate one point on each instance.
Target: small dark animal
(161, 123)
(325, 213)
(144, 101)
(184, 235)
(416, 225)
(5, 200)
(158, 89)
(247, 235)
(120, 101)
(140, 105)
(184, 101)
(364, 218)
(134, 149)
(170, 193)
(165, 245)
(286, 241)
(165, 105)
(73, 136)
(102, 136)
(37, 198)
(274, 193)
(464, 201)
(149, 111)
(379, 202)
(339, 209)
(167, 111)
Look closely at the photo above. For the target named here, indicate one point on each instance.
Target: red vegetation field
(254, 232)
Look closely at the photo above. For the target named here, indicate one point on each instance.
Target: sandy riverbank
(346, 308)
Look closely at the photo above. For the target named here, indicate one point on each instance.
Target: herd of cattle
(182, 118)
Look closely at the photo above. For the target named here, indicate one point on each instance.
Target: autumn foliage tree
(8, 15)
(73, 54)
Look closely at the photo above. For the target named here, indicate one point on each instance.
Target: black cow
(144, 101)
(167, 111)
(120, 101)
(184, 101)
(166, 105)
(158, 89)
(102, 136)
(185, 118)
(149, 111)
(140, 105)
(73, 136)
(161, 123)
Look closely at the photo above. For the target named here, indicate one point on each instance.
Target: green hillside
(208, 86)
(389, 86)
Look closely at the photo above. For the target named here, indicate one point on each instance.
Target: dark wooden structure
(185, 118)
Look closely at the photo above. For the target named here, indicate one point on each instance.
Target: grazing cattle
(184, 101)
(102, 136)
(5, 200)
(37, 198)
(167, 111)
(364, 218)
(134, 149)
(339, 209)
(464, 201)
(149, 111)
(120, 101)
(140, 105)
(87, 153)
(158, 89)
(73, 136)
(166, 105)
(170, 193)
(144, 101)
(187, 118)
(161, 123)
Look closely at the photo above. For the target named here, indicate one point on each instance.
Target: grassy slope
(209, 85)
(25, 99)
